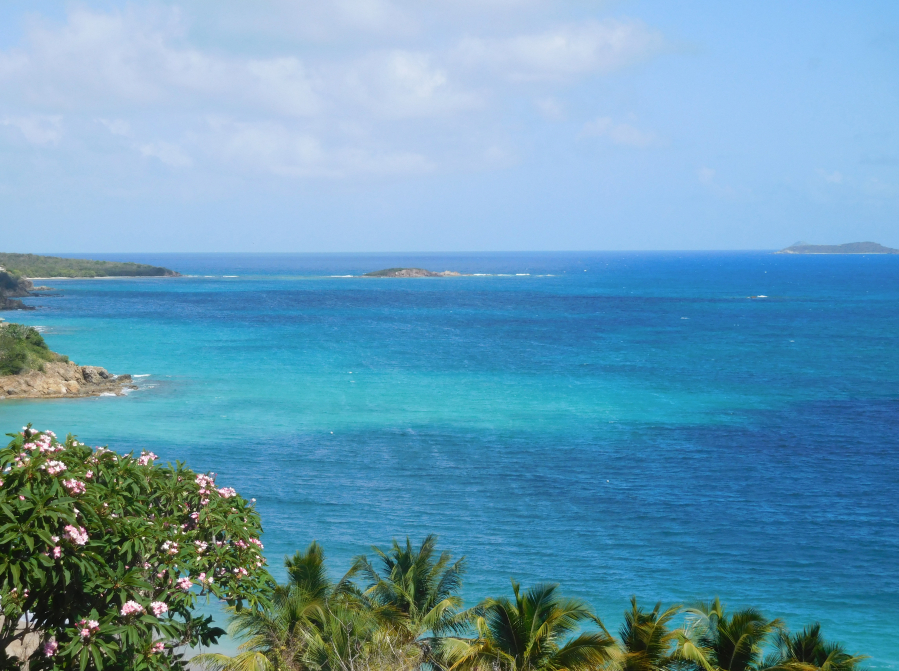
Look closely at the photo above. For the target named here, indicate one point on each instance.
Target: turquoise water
(620, 423)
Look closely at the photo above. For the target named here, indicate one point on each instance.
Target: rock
(411, 272)
(64, 379)
(12, 287)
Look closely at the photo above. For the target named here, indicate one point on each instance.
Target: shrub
(104, 556)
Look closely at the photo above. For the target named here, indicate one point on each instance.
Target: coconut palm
(529, 634)
(647, 640)
(419, 586)
(276, 638)
(714, 640)
(808, 651)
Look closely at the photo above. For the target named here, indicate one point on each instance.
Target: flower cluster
(183, 583)
(157, 647)
(78, 535)
(88, 628)
(201, 546)
(73, 487)
(132, 608)
(54, 467)
(170, 547)
(50, 648)
(227, 492)
(145, 458)
(158, 608)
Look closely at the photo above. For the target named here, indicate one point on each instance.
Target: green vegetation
(32, 265)
(103, 557)
(402, 612)
(22, 348)
(848, 248)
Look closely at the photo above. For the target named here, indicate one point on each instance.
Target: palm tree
(276, 638)
(712, 640)
(420, 587)
(808, 651)
(646, 639)
(527, 635)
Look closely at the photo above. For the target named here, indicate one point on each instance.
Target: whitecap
(521, 274)
(230, 275)
(143, 375)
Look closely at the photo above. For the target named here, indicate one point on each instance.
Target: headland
(28, 369)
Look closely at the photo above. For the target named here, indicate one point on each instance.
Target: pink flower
(54, 467)
(146, 458)
(57, 552)
(183, 583)
(257, 542)
(50, 648)
(158, 608)
(157, 647)
(88, 628)
(77, 535)
(74, 487)
(227, 492)
(89, 475)
(131, 608)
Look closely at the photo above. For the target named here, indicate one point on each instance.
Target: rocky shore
(64, 379)
(11, 288)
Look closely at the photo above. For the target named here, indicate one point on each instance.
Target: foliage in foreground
(103, 557)
(33, 265)
(402, 612)
(23, 348)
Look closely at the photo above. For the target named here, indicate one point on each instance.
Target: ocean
(619, 423)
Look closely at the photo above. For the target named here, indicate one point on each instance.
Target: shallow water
(620, 423)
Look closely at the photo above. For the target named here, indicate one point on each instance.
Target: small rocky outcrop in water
(411, 272)
(64, 379)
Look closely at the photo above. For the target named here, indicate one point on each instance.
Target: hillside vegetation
(33, 265)
(23, 348)
(848, 248)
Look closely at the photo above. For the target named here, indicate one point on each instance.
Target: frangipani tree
(103, 557)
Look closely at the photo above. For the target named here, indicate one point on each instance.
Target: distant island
(848, 248)
(33, 265)
(16, 269)
(28, 369)
(411, 272)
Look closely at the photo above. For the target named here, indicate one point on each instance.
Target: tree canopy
(103, 557)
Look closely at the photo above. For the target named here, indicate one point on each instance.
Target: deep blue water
(619, 423)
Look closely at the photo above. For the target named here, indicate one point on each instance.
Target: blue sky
(447, 125)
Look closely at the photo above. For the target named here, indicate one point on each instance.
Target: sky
(447, 125)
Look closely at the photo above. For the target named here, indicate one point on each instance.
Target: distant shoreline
(113, 277)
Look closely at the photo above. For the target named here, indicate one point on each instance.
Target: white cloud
(550, 108)
(401, 84)
(37, 129)
(294, 109)
(563, 52)
(274, 148)
(117, 126)
(121, 61)
(167, 152)
(617, 133)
